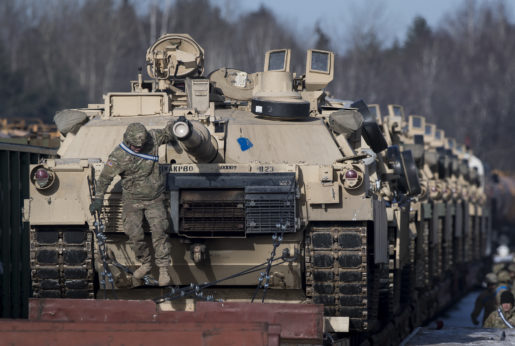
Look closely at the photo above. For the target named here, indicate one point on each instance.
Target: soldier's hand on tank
(95, 206)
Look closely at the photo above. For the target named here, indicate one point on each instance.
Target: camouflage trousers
(155, 213)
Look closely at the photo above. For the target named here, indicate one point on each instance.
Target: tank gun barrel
(196, 140)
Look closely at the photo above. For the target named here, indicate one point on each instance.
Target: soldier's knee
(158, 226)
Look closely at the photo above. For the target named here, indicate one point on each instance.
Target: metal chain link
(196, 290)
(265, 276)
(101, 239)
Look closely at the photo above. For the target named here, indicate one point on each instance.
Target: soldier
(504, 317)
(504, 283)
(136, 161)
(485, 300)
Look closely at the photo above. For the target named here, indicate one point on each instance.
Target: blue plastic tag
(245, 143)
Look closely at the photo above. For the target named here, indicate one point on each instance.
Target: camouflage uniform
(155, 213)
(495, 321)
(142, 188)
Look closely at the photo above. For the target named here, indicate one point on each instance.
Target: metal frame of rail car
(15, 160)
(144, 322)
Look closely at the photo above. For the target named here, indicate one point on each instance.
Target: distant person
(504, 283)
(485, 300)
(504, 317)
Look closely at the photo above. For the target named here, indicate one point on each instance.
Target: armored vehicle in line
(261, 164)
(273, 191)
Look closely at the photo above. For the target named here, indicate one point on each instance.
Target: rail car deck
(132, 322)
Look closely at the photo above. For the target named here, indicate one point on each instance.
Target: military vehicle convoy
(274, 191)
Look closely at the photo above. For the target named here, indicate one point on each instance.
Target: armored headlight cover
(352, 178)
(42, 178)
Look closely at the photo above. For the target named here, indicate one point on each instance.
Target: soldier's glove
(95, 206)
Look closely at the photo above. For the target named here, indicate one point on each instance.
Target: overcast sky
(392, 16)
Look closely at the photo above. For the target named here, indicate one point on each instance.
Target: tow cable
(196, 290)
(265, 276)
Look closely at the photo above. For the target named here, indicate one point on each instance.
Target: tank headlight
(352, 179)
(351, 174)
(42, 178)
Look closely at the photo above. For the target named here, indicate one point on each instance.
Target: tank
(275, 192)
(261, 165)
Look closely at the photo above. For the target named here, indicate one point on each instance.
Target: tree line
(57, 54)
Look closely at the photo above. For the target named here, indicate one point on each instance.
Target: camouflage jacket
(141, 178)
(495, 321)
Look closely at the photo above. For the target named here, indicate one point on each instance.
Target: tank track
(338, 273)
(62, 262)
(447, 243)
(407, 277)
(393, 275)
(422, 253)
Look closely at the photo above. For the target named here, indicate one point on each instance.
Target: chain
(265, 276)
(101, 239)
(147, 279)
(196, 290)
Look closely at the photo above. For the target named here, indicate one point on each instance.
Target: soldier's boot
(143, 270)
(164, 277)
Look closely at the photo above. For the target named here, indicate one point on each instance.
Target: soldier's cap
(507, 297)
(491, 278)
(511, 267)
(504, 276)
(136, 135)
